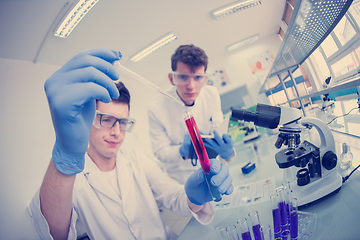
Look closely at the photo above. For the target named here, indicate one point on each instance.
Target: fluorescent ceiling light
(74, 17)
(234, 7)
(153, 47)
(243, 43)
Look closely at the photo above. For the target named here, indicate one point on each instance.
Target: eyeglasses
(108, 121)
(184, 79)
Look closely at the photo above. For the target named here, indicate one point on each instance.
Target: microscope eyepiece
(265, 116)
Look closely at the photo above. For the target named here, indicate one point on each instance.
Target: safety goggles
(184, 79)
(108, 121)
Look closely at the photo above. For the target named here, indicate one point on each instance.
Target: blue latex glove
(224, 145)
(197, 189)
(72, 92)
(184, 149)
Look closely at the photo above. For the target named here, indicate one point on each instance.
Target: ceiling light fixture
(74, 17)
(243, 43)
(234, 7)
(154, 46)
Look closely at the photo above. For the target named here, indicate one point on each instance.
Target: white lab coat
(136, 215)
(167, 128)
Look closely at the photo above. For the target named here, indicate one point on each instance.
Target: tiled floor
(174, 221)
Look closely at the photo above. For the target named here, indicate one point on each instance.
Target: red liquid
(198, 144)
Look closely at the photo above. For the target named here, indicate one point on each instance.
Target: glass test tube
(244, 229)
(232, 232)
(294, 219)
(201, 153)
(287, 196)
(283, 214)
(276, 215)
(265, 231)
(221, 233)
(255, 221)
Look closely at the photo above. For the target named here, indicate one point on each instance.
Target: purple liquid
(256, 231)
(294, 225)
(283, 218)
(246, 236)
(276, 220)
(287, 211)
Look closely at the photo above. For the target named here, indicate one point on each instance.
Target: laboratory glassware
(123, 70)
(276, 215)
(294, 219)
(201, 153)
(232, 232)
(221, 233)
(346, 157)
(244, 229)
(265, 231)
(283, 214)
(287, 198)
(255, 221)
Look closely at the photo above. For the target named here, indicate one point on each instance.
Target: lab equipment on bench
(123, 70)
(318, 176)
(346, 157)
(252, 133)
(201, 152)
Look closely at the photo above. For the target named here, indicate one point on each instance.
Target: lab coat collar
(95, 179)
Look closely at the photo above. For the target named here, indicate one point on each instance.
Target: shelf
(311, 22)
(351, 82)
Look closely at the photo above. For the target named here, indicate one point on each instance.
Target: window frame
(343, 50)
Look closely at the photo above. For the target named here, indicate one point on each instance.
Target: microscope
(318, 176)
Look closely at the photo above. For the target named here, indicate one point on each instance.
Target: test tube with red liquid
(201, 153)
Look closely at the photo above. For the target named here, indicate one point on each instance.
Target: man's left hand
(224, 145)
(197, 189)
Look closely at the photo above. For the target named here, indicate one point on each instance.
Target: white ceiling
(128, 26)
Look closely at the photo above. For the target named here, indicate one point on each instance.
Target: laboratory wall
(236, 64)
(27, 134)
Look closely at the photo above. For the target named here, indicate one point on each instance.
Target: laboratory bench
(335, 217)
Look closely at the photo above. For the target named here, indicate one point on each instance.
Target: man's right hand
(72, 92)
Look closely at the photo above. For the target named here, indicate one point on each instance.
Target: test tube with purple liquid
(254, 218)
(283, 213)
(294, 219)
(244, 229)
(201, 153)
(276, 215)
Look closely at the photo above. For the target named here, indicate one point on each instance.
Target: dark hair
(190, 55)
(124, 94)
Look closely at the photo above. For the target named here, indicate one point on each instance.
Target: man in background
(168, 133)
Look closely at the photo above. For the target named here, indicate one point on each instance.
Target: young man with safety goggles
(113, 193)
(169, 137)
